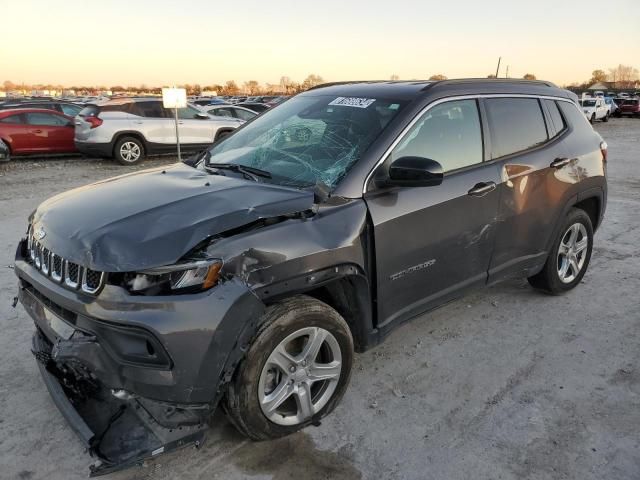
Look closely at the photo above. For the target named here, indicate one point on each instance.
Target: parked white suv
(127, 129)
(595, 109)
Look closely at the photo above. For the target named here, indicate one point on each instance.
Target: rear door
(50, 132)
(433, 242)
(194, 130)
(151, 119)
(15, 131)
(527, 146)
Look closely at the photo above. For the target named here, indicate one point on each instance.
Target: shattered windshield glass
(308, 139)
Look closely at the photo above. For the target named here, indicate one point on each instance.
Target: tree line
(251, 87)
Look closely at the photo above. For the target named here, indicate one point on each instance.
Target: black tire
(137, 150)
(548, 279)
(593, 118)
(606, 118)
(221, 135)
(241, 401)
(5, 147)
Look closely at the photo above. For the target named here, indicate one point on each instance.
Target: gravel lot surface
(505, 383)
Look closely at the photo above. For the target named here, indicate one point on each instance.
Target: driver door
(433, 242)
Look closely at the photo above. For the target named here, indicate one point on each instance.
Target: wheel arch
(128, 133)
(345, 288)
(221, 131)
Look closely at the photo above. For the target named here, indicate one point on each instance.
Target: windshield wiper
(251, 172)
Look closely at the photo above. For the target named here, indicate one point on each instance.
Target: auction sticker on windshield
(353, 102)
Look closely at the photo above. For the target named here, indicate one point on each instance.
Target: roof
(408, 90)
(10, 111)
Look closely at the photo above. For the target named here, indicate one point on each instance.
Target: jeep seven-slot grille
(69, 274)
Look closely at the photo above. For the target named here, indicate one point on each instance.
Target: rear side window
(574, 117)
(148, 109)
(449, 133)
(15, 119)
(631, 102)
(89, 111)
(71, 110)
(46, 119)
(516, 125)
(556, 117)
(243, 114)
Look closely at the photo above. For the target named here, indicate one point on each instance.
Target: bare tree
(437, 77)
(311, 81)
(529, 76)
(394, 77)
(624, 76)
(252, 87)
(598, 76)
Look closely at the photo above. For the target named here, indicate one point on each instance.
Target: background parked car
(129, 128)
(595, 109)
(630, 107)
(256, 107)
(68, 108)
(36, 130)
(613, 106)
(209, 101)
(233, 111)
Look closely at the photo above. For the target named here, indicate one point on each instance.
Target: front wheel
(295, 372)
(593, 118)
(569, 256)
(606, 118)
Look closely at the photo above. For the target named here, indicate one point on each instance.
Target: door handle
(560, 162)
(482, 188)
(37, 131)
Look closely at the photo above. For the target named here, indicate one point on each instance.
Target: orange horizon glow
(169, 43)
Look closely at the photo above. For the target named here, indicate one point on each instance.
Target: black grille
(69, 274)
(93, 279)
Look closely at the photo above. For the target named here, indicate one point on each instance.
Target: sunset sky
(157, 42)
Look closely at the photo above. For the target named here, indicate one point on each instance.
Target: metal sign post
(175, 98)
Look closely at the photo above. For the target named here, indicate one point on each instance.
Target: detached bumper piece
(118, 432)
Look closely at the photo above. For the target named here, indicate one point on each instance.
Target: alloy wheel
(130, 151)
(300, 376)
(572, 252)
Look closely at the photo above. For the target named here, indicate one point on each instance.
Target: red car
(630, 107)
(36, 130)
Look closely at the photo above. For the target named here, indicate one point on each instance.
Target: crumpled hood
(152, 218)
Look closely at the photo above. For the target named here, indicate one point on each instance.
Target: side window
(243, 114)
(187, 113)
(574, 116)
(449, 133)
(71, 110)
(556, 117)
(220, 112)
(148, 109)
(46, 119)
(14, 119)
(516, 124)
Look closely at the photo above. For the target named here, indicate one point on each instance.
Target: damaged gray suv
(249, 275)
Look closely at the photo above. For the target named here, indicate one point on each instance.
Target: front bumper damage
(118, 432)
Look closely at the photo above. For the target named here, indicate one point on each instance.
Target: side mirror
(415, 172)
(202, 116)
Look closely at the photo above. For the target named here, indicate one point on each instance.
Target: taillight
(603, 150)
(93, 121)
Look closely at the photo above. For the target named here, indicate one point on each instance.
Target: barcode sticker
(353, 102)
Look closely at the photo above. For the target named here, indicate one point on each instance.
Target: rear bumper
(95, 149)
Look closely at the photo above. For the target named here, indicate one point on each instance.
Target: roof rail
(347, 82)
(457, 81)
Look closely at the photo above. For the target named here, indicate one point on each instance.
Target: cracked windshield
(308, 140)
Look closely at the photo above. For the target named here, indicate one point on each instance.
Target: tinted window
(46, 119)
(574, 117)
(12, 119)
(71, 110)
(630, 102)
(516, 124)
(148, 109)
(449, 133)
(221, 112)
(188, 113)
(243, 114)
(556, 118)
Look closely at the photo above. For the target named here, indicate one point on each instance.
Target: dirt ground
(505, 383)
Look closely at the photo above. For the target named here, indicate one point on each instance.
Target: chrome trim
(56, 276)
(37, 253)
(67, 280)
(85, 287)
(444, 100)
(46, 259)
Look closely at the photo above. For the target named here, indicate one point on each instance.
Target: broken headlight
(190, 276)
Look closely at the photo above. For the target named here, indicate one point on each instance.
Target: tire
(606, 118)
(551, 278)
(221, 135)
(128, 151)
(593, 118)
(258, 378)
(5, 147)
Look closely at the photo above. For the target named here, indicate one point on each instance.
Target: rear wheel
(569, 256)
(295, 372)
(5, 152)
(593, 118)
(128, 151)
(606, 118)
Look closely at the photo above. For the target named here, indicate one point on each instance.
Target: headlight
(186, 277)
